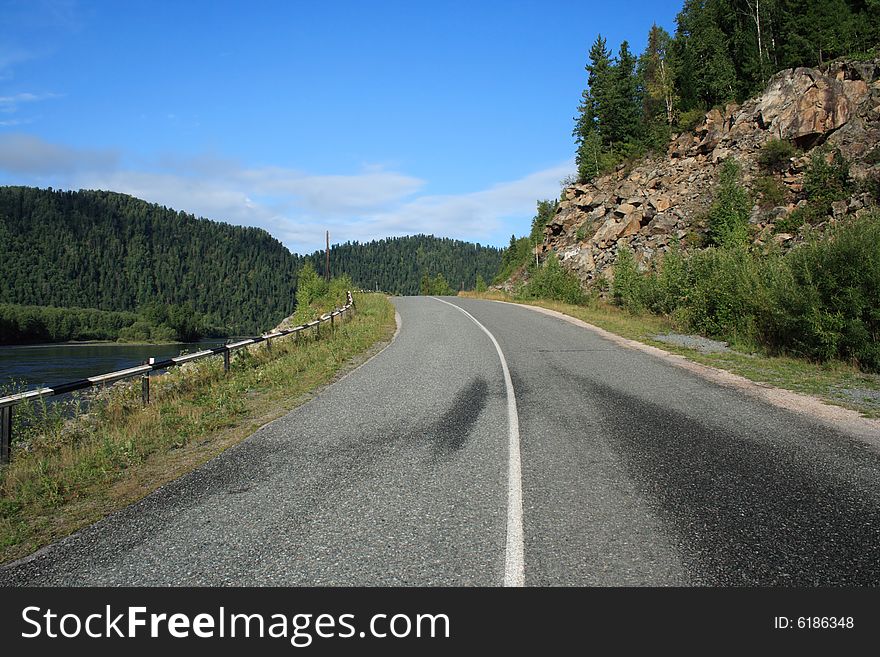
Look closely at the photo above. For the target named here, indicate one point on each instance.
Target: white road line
(514, 566)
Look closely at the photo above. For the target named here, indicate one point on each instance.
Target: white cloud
(334, 195)
(296, 207)
(27, 155)
(10, 104)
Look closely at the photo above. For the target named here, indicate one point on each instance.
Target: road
(590, 464)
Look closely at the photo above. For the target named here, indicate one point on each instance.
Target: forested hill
(114, 252)
(397, 264)
(94, 249)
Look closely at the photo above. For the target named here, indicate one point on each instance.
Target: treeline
(398, 264)
(152, 323)
(114, 252)
(23, 324)
(722, 50)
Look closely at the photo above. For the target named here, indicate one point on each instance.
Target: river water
(52, 364)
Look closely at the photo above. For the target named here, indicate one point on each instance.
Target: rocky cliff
(659, 201)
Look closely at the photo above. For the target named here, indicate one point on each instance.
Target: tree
(594, 100)
(656, 74)
(704, 70)
(620, 112)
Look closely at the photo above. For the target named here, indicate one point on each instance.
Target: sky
(369, 119)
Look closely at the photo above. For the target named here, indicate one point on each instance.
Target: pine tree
(621, 114)
(594, 101)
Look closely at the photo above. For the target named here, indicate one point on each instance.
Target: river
(52, 364)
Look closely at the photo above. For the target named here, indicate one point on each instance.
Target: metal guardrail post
(145, 384)
(226, 361)
(5, 433)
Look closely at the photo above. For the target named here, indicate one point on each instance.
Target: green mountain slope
(111, 251)
(114, 252)
(397, 264)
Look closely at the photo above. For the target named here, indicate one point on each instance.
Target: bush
(729, 215)
(688, 121)
(871, 186)
(627, 289)
(827, 305)
(552, 281)
(820, 301)
(770, 191)
(670, 284)
(775, 155)
(724, 284)
(827, 181)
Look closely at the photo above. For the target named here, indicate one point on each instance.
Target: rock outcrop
(660, 200)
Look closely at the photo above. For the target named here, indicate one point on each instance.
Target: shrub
(723, 285)
(828, 303)
(827, 181)
(770, 191)
(627, 289)
(776, 155)
(688, 121)
(820, 301)
(871, 186)
(795, 219)
(671, 283)
(552, 281)
(729, 215)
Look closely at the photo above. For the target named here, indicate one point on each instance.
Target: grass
(76, 472)
(833, 381)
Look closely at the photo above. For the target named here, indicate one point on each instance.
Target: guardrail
(8, 404)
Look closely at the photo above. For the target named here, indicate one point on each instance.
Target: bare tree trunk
(755, 15)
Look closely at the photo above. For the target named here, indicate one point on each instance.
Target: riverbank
(120, 452)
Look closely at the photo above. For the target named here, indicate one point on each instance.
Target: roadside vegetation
(66, 473)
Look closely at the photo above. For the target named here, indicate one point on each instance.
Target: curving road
(503, 446)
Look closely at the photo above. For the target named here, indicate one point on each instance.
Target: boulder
(803, 105)
(661, 224)
(660, 203)
(624, 210)
(633, 225)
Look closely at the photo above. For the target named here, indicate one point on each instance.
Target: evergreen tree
(621, 112)
(594, 103)
(705, 73)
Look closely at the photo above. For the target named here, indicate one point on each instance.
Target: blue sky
(368, 119)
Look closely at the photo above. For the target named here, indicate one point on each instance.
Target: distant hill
(111, 251)
(114, 252)
(397, 264)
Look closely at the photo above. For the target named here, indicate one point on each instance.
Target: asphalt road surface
(520, 450)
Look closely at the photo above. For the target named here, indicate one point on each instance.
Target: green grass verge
(76, 472)
(834, 382)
